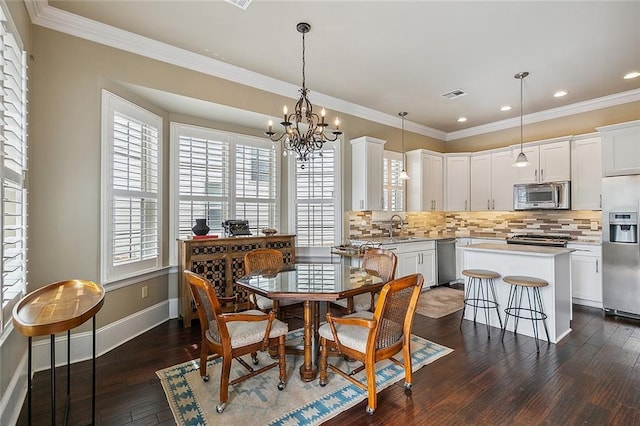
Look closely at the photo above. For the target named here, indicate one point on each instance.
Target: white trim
(577, 108)
(107, 338)
(15, 394)
(138, 278)
(41, 13)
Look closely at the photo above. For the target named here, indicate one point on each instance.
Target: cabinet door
(586, 174)
(457, 183)
(435, 185)
(481, 182)
(460, 242)
(555, 162)
(527, 174)
(427, 267)
(366, 173)
(502, 172)
(407, 264)
(621, 149)
(586, 280)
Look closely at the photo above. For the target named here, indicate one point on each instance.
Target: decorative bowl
(269, 231)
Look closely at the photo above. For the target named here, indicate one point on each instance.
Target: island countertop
(518, 249)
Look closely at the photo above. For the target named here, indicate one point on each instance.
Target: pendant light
(403, 174)
(522, 160)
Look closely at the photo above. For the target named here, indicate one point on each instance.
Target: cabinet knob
(488, 205)
(493, 204)
(541, 175)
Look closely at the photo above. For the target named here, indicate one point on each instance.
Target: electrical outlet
(594, 226)
(145, 291)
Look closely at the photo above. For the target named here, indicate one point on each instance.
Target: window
(218, 176)
(317, 201)
(393, 187)
(131, 189)
(13, 142)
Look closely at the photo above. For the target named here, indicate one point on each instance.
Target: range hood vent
(454, 94)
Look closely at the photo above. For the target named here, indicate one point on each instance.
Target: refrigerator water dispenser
(623, 227)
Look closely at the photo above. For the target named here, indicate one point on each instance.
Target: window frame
(306, 253)
(8, 299)
(109, 272)
(387, 180)
(233, 140)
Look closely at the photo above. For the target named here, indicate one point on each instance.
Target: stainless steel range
(540, 240)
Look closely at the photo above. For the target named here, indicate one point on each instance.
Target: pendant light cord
(521, 112)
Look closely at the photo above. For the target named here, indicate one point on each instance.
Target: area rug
(257, 400)
(439, 302)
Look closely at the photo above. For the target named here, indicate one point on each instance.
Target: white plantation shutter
(218, 176)
(316, 200)
(393, 187)
(13, 141)
(131, 189)
(256, 185)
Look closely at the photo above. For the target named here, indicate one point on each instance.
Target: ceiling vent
(454, 94)
(242, 4)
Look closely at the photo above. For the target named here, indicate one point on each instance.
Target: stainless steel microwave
(541, 196)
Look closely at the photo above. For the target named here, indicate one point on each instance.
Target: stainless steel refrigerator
(620, 248)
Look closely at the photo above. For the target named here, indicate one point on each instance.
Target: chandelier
(304, 130)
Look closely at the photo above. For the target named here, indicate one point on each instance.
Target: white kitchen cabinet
(550, 162)
(424, 188)
(586, 274)
(586, 174)
(367, 156)
(621, 148)
(416, 257)
(456, 182)
(492, 181)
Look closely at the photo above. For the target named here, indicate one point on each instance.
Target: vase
(201, 227)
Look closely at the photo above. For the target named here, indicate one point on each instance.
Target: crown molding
(563, 111)
(42, 14)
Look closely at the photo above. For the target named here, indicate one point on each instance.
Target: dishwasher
(446, 260)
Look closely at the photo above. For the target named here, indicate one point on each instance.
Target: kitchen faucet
(391, 224)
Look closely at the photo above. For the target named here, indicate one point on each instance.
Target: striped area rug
(258, 401)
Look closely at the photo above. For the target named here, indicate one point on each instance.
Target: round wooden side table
(52, 309)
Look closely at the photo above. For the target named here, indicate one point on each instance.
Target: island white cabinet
(367, 156)
(461, 243)
(586, 274)
(456, 182)
(424, 188)
(416, 257)
(492, 181)
(550, 162)
(621, 148)
(586, 174)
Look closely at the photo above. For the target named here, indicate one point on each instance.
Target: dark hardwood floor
(591, 377)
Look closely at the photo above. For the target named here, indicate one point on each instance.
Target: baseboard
(585, 302)
(107, 338)
(14, 395)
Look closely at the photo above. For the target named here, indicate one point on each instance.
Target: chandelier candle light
(522, 160)
(403, 174)
(304, 131)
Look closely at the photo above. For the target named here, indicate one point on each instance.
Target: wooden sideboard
(221, 261)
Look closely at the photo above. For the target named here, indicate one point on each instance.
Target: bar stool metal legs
(480, 293)
(526, 290)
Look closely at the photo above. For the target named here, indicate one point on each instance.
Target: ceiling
(391, 56)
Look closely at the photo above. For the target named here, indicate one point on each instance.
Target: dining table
(311, 283)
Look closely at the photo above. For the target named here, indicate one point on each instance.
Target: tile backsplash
(580, 224)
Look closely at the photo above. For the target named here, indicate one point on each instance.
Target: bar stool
(480, 293)
(521, 285)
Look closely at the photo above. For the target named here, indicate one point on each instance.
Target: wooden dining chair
(382, 261)
(371, 337)
(232, 335)
(268, 260)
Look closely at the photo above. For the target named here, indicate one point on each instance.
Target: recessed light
(560, 93)
(505, 108)
(462, 119)
(631, 75)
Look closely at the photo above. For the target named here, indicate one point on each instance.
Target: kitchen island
(552, 264)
